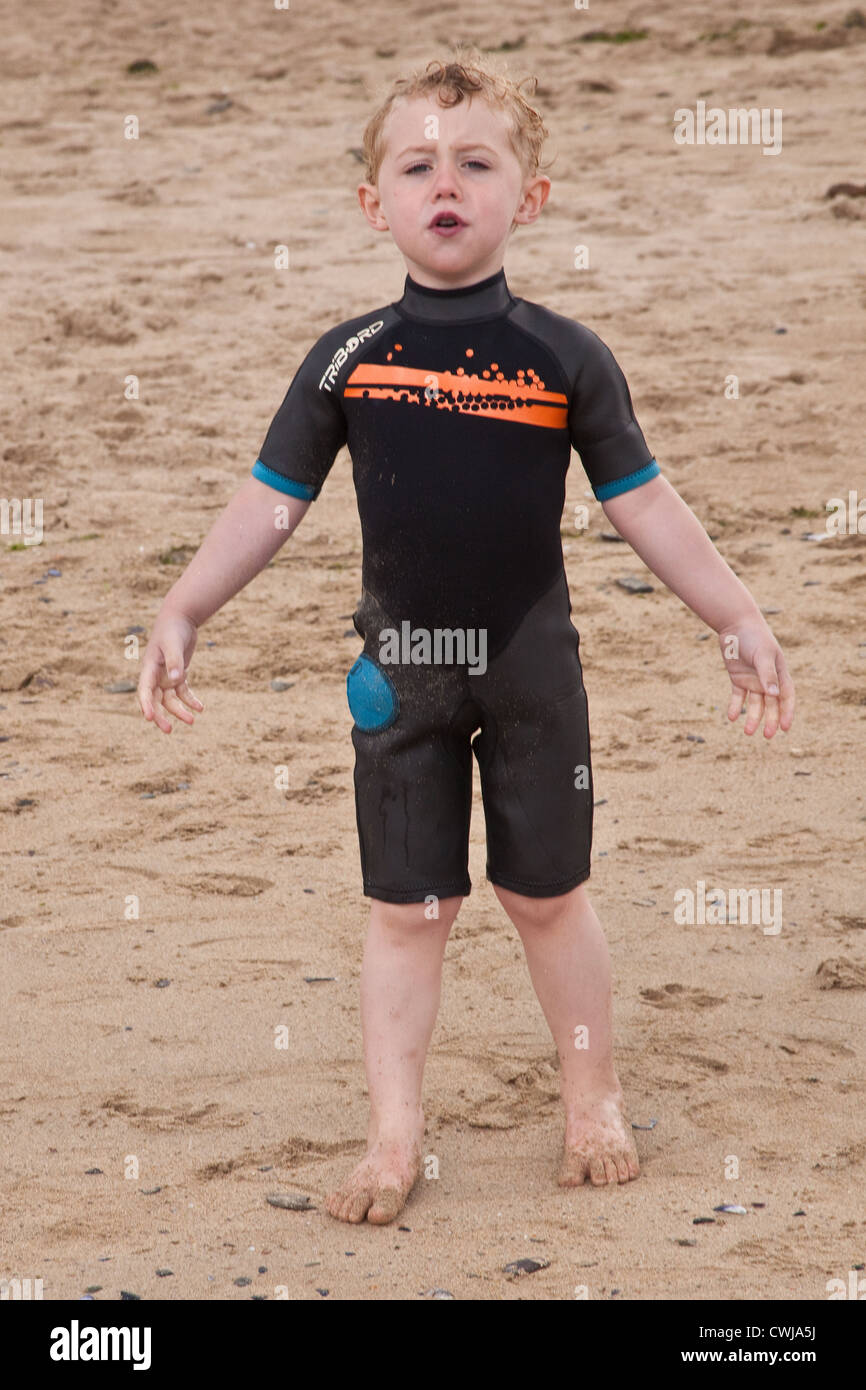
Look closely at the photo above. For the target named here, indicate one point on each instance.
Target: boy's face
(452, 161)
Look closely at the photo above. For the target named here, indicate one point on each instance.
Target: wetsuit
(459, 409)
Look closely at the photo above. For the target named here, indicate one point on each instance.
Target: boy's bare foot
(598, 1145)
(378, 1188)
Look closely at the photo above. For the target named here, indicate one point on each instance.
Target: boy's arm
(301, 444)
(666, 534)
(240, 543)
(242, 540)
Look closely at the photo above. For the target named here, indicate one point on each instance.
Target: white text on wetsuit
(342, 353)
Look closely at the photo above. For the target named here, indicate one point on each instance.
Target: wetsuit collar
(484, 298)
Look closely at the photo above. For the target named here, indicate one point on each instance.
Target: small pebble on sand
(634, 584)
(525, 1266)
(290, 1201)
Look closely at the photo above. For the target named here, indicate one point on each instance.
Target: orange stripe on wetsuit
(514, 400)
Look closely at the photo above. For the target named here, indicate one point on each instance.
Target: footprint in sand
(676, 996)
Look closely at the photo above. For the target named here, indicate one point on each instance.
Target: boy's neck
(486, 297)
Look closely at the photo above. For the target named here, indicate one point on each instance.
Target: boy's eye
(424, 164)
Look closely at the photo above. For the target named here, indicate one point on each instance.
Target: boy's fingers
(771, 721)
(174, 662)
(153, 667)
(189, 697)
(147, 687)
(787, 693)
(159, 717)
(173, 704)
(157, 702)
(754, 709)
(765, 669)
(735, 704)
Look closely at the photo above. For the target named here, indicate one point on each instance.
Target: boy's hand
(758, 675)
(162, 685)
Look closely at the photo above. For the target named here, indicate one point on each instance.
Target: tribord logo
(342, 354)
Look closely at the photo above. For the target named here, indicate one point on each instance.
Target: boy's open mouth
(447, 223)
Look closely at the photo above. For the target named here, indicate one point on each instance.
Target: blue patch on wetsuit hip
(373, 699)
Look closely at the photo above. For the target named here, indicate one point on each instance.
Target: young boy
(460, 404)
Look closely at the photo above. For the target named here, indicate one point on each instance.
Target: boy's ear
(535, 195)
(371, 206)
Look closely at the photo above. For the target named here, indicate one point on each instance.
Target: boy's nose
(445, 181)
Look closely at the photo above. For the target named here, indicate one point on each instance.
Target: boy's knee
(408, 915)
(530, 912)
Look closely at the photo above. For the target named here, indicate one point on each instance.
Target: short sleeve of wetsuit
(601, 419)
(309, 428)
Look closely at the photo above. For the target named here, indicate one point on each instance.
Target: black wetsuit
(460, 408)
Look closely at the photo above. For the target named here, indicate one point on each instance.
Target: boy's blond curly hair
(454, 80)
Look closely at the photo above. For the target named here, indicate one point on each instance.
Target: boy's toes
(389, 1202)
(341, 1202)
(622, 1172)
(600, 1145)
(378, 1187)
(334, 1205)
(356, 1209)
(597, 1174)
(573, 1170)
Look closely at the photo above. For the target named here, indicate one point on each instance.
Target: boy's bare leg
(401, 980)
(569, 965)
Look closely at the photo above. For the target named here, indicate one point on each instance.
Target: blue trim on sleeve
(631, 480)
(282, 483)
